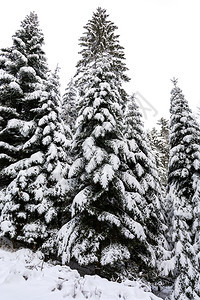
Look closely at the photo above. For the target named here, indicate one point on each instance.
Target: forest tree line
(82, 181)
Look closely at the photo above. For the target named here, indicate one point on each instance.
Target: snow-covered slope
(24, 275)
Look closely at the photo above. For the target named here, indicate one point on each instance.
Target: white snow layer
(24, 275)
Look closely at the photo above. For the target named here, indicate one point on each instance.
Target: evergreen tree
(156, 144)
(35, 185)
(20, 91)
(69, 108)
(159, 141)
(106, 230)
(183, 196)
(22, 78)
(90, 238)
(145, 193)
(55, 145)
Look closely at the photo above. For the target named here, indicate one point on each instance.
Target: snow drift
(24, 275)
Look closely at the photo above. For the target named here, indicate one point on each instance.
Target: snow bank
(24, 275)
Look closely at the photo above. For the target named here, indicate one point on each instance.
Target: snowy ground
(23, 275)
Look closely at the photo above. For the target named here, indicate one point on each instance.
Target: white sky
(161, 40)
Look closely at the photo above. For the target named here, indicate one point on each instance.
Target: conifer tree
(35, 188)
(159, 141)
(156, 144)
(105, 232)
(145, 193)
(90, 238)
(69, 109)
(183, 196)
(22, 80)
(28, 42)
(56, 142)
(20, 90)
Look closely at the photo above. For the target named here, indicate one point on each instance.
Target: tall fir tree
(23, 75)
(90, 237)
(19, 81)
(104, 232)
(183, 196)
(34, 190)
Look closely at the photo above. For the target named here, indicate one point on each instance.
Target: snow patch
(25, 275)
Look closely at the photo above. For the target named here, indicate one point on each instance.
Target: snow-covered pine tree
(23, 73)
(19, 86)
(69, 109)
(156, 143)
(36, 178)
(142, 184)
(159, 141)
(104, 232)
(90, 238)
(15, 76)
(183, 196)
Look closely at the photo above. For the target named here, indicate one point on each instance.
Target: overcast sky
(161, 40)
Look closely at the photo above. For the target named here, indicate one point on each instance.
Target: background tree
(164, 133)
(183, 196)
(69, 107)
(145, 192)
(159, 141)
